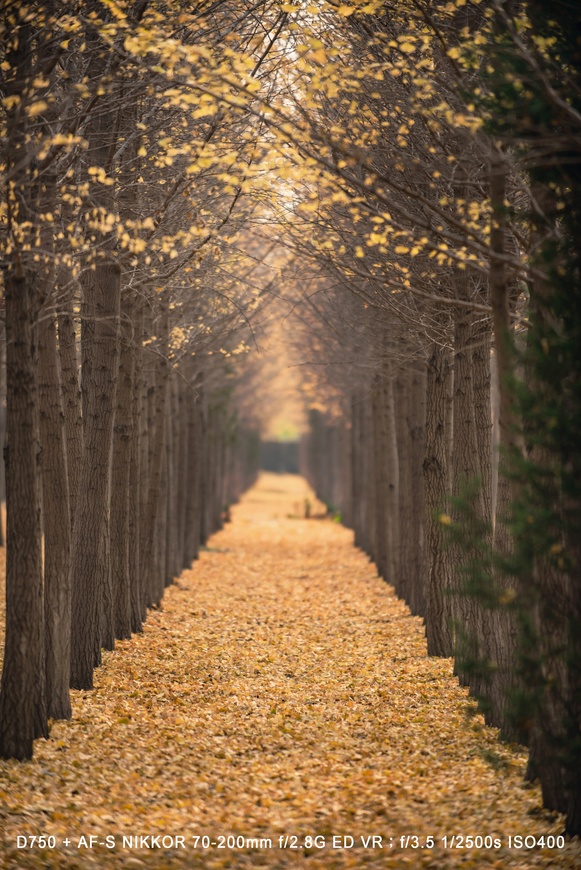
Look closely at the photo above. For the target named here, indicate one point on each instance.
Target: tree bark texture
(437, 594)
(92, 600)
(56, 522)
(23, 714)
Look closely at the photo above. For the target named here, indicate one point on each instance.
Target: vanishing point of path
(281, 693)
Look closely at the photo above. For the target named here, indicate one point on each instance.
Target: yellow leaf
(36, 108)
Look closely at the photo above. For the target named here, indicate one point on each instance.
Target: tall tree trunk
(181, 472)
(123, 435)
(405, 578)
(418, 519)
(23, 714)
(92, 607)
(156, 461)
(438, 601)
(382, 545)
(71, 389)
(194, 488)
(136, 474)
(470, 618)
(483, 408)
(393, 505)
(56, 522)
(2, 429)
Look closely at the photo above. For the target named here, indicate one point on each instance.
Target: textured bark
(146, 439)
(92, 607)
(56, 522)
(418, 519)
(71, 390)
(157, 399)
(22, 693)
(503, 639)
(482, 335)
(405, 579)
(123, 434)
(438, 602)
(358, 473)
(23, 713)
(172, 560)
(370, 500)
(135, 478)
(181, 473)
(471, 619)
(161, 519)
(2, 428)
(193, 511)
(382, 550)
(393, 504)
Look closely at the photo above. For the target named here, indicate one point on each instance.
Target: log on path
(278, 708)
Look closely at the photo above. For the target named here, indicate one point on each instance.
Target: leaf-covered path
(282, 693)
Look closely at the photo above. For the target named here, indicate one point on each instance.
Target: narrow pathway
(282, 697)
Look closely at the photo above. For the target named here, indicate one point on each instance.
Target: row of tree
(442, 313)
(126, 307)
(407, 171)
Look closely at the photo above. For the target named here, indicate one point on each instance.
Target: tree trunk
(23, 714)
(382, 550)
(418, 519)
(194, 491)
(92, 608)
(393, 505)
(136, 474)
(123, 435)
(56, 523)
(438, 601)
(483, 409)
(405, 579)
(71, 390)
(156, 462)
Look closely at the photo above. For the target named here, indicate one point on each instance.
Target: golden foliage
(282, 690)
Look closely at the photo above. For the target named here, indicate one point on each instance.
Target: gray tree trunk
(23, 714)
(123, 435)
(71, 390)
(437, 594)
(56, 522)
(92, 608)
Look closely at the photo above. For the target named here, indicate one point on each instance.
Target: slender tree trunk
(156, 461)
(2, 429)
(181, 473)
(92, 619)
(123, 435)
(194, 489)
(57, 532)
(471, 620)
(438, 601)
(483, 409)
(172, 562)
(383, 545)
(23, 714)
(418, 519)
(391, 459)
(370, 485)
(136, 474)
(71, 390)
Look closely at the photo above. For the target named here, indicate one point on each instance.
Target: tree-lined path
(281, 691)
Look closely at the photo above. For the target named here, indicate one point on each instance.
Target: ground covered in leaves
(281, 698)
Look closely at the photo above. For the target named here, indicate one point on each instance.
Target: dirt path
(282, 695)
